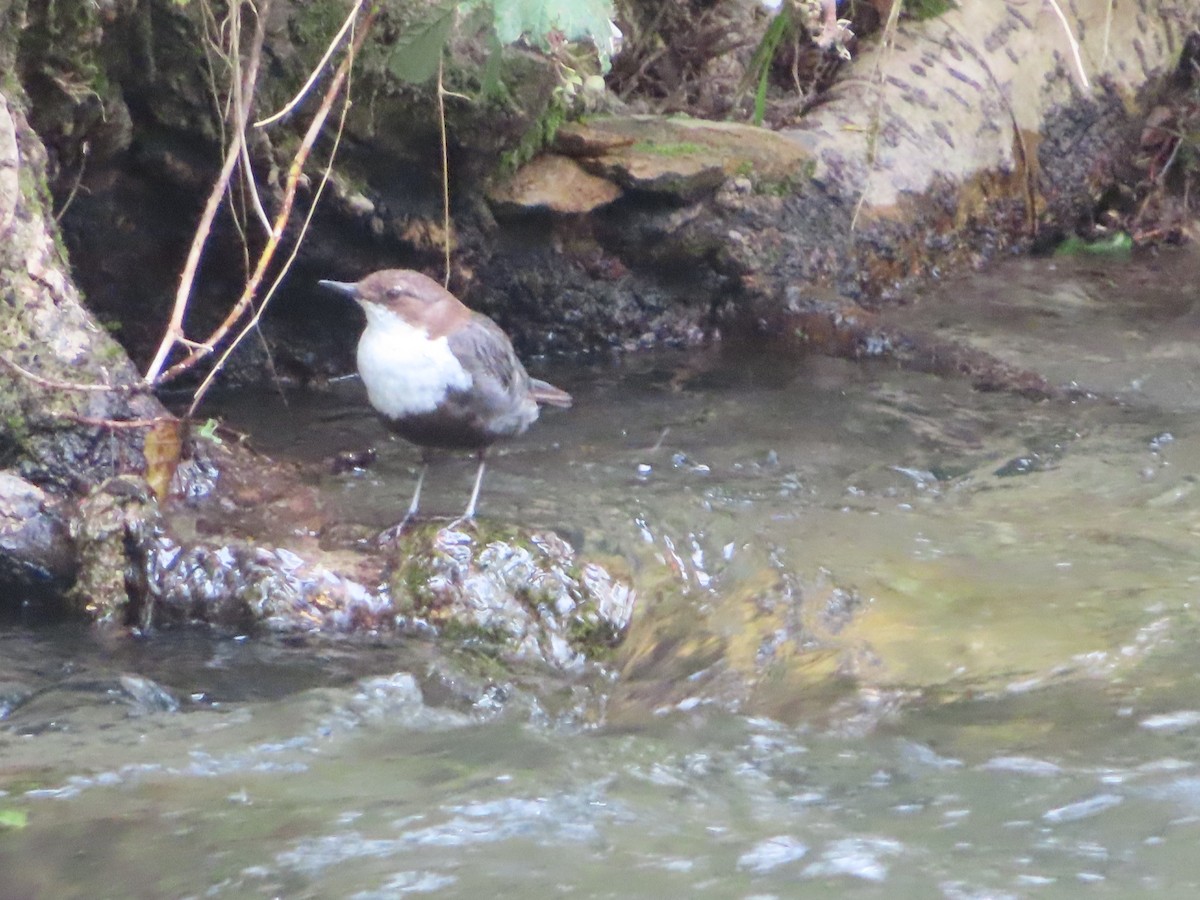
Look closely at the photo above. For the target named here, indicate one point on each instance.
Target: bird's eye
(396, 291)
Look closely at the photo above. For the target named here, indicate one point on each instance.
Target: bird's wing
(487, 354)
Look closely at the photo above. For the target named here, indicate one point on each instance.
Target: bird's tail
(544, 392)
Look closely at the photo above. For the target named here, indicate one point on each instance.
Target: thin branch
(314, 75)
(1074, 44)
(115, 424)
(53, 385)
(212, 47)
(293, 178)
(188, 277)
(258, 313)
(85, 149)
(441, 106)
(241, 114)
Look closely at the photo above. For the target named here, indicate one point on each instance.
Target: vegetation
(410, 43)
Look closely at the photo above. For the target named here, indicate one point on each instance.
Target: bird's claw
(462, 523)
(392, 535)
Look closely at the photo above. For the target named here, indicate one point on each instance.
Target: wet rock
(553, 183)
(686, 158)
(113, 523)
(523, 595)
(397, 699)
(147, 696)
(243, 587)
(12, 695)
(36, 555)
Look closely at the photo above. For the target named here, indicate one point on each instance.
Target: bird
(441, 375)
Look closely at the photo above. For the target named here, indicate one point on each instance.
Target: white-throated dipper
(441, 375)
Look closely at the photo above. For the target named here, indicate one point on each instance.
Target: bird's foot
(391, 535)
(462, 523)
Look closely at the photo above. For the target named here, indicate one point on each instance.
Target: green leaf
(15, 819)
(415, 57)
(764, 54)
(491, 86)
(208, 431)
(1117, 244)
(576, 19)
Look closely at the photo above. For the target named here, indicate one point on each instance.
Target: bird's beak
(345, 288)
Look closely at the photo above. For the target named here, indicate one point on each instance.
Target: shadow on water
(894, 638)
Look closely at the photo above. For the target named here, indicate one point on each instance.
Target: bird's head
(415, 298)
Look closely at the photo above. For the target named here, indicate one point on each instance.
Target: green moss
(10, 84)
(789, 185)
(668, 148)
(315, 22)
(16, 428)
(111, 352)
(29, 188)
(65, 38)
(408, 586)
(784, 187)
(36, 194)
(537, 136)
(592, 636)
(473, 635)
(928, 9)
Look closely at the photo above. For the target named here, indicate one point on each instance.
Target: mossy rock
(524, 595)
(683, 157)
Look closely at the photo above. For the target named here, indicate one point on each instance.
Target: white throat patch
(405, 371)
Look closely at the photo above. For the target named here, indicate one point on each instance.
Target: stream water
(895, 638)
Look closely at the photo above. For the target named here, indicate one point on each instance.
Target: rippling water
(896, 638)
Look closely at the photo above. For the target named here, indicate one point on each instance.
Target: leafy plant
(542, 22)
(760, 65)
(575, 20)
(416, 56)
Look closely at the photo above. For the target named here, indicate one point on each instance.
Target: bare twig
(314, 75)
(187, 278)
(85, 148)
(258, 313)
(289, 196)
(114, 424)
(441, 106)
(53, 385)
(241, 114)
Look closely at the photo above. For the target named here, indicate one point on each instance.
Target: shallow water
(895, 638)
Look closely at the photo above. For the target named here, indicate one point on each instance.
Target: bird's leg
(470, 513)
(416, 498)
(468, 517)
(396, 530)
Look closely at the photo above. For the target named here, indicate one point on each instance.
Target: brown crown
(416, 298)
